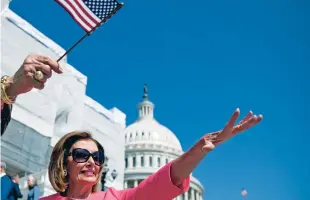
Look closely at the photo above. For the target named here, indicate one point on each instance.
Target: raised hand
(230, 130)
(33, 73)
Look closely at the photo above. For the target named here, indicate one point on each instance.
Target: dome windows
(134, 161)
(140, 181)
(146, 160)
(130, 184)
(151, 161)
(142, 161)
(158, 162)
(126, 163)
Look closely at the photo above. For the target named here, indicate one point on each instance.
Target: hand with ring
(34, 72)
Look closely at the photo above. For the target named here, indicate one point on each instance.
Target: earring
(65, 172)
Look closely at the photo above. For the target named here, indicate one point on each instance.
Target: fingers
(251, 122)
(50, 62)
(232, 120)
(247, 124)
(37, 84)
(213, 138)
(209, 146)
(247, 117)
(46, 70)
(230, 130)
(214, 134)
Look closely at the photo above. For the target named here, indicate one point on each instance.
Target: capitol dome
(147, 132)
(149, 146)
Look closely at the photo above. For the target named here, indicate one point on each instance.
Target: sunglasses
(82, 155)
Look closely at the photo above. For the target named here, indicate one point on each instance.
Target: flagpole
(119, 6)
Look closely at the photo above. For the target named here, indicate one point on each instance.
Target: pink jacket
(156, 187)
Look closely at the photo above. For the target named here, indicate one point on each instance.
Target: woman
(34, 191)
(77, 160)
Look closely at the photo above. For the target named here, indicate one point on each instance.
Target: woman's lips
(88, 172)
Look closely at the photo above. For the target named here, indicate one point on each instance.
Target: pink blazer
(156, 187)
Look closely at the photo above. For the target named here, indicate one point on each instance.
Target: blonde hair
(58, 160)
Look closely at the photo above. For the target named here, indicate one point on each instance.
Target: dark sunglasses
(82, 155)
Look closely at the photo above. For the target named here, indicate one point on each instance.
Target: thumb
(209, 146)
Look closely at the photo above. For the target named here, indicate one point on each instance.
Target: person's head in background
(31, 181)
(15, 178)
(2, 167)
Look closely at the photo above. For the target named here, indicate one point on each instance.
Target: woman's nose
(91, 161)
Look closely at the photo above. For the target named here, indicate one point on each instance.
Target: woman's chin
(88, 179)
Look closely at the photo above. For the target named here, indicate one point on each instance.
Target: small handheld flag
(89, 14)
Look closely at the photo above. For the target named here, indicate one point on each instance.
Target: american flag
(89, 14)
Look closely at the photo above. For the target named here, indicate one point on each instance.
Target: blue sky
(201, 60)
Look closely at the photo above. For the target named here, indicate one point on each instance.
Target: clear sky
(201, 60)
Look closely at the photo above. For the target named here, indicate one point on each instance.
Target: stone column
(192, 194)
(125, 185)
(129, 161)
(154, 161)
(196, 195)
(147, 160)
(138, 161)
(186, 196)
(135, 183)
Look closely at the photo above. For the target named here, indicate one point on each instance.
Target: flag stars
(92, 12)
(101, 8)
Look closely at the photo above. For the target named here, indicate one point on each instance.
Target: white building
(40, 118)
(149, 146)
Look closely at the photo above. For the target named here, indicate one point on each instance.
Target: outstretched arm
(173, 179)
(183, 166)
